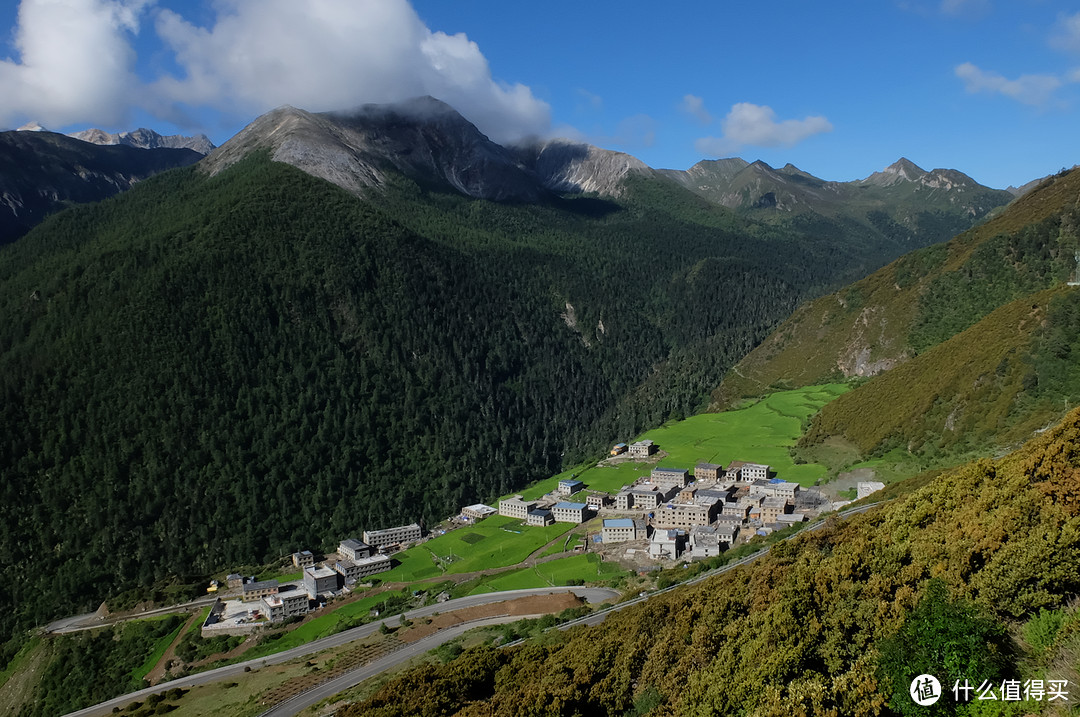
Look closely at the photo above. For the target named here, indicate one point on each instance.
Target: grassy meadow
(759, 433)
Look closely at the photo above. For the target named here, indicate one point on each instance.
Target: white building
(516, 507)
(620, 530)
(569, 512)
(392, 536)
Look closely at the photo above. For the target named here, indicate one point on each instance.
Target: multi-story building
(646, 498)
(539, 517)
(642, 449)
(353, 549)
(393, 536)
(516, 507)
(569, 512)
(727, 532)
(258, 590)
(708, 472)
(739, 509)
(569, 486)
(747, 472)
(596, 501)
(286, 604)
(620, 530)
(667, 478)
(683, 515)
(352, 570)
(782, 489)
(478, 511)
(771, 508)
(624, 500)
(705, 542)
(618, 448)
(667, 544)
(303, 559)
(320, 581)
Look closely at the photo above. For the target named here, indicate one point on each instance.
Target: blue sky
(840, 89)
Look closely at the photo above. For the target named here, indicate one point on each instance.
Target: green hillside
(211, 372)
(919, 300)
(972, 576)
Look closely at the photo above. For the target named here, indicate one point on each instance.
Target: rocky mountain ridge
(143, 138)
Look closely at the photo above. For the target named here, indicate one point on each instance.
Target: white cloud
(756, 125)
(334, 54)
(1034, 90)
(695, 107)
(75, 62)
(1067, 34)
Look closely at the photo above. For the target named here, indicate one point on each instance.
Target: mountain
(971, 572)
(238, 358)
(969, 343)
(42, 172)
(143, 138)
(423, 139)
(900, 208)
(566, 166)
(341, 321)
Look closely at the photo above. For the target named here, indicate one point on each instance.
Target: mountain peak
(905, 168)
(423, 138)
(32, 127)
(902, 170)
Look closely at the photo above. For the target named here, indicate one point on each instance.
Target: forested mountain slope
(212, 371)
(967, 577)
(43, 172)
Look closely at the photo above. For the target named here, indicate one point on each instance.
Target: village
(669, 515)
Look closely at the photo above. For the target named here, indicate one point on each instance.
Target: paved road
(593, 595)
(92, 621)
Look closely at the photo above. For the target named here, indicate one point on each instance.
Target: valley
(346, 320)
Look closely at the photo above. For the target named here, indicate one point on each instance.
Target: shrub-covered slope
(919, 300)
(824, 624)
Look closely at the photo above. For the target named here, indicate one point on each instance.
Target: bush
(1041, 630)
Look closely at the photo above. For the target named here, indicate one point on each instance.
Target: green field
(760, 433)
(495, 542)
(585, 567)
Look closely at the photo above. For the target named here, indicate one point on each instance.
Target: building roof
(261, 585)
(570, 481)
(773, 502)
(661, 469)
(320, 572)
(354, 544)
(708, 466)
(619, 523)
(543, 512)
(479, 508)
(645, 442)
(571, 506)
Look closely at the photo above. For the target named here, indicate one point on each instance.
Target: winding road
(593, 595)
